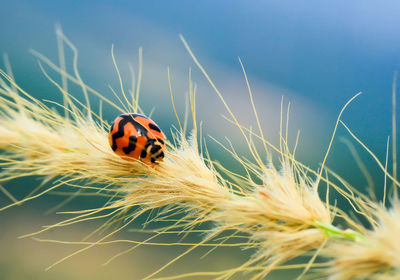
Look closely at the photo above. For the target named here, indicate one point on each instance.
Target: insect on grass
(276, 210)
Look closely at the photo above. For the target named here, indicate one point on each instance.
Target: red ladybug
(137, 136)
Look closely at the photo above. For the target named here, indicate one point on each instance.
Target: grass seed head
(281, 216)
(378, 257)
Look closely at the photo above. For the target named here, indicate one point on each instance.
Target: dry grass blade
(276, 210)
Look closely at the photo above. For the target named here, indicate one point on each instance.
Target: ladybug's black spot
(154, 127)
(160, 155)
(153, 146)
(125, 119)
(141, 130)
(112, 126)
(120, 133)
(132, 145)
(149, 143)
(155, 149)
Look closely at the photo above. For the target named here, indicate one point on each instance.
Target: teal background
(316, 54)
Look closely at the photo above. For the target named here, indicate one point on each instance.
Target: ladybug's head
(155, 150)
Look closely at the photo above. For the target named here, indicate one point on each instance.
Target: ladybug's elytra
(137, 136)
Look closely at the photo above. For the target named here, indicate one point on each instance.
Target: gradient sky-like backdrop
(315, 54)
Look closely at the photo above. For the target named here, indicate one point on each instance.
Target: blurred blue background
(316, 54)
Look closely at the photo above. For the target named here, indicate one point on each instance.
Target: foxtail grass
(274, 206)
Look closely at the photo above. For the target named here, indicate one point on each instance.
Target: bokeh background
(314, 54)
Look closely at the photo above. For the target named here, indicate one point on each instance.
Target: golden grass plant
(276, 209)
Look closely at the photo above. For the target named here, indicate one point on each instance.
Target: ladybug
(137, 136)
